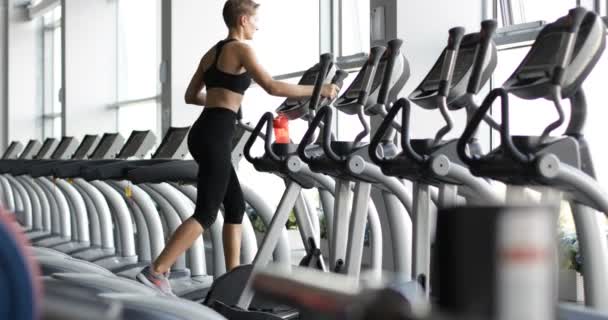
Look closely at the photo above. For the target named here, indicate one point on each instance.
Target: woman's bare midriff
(222, 98)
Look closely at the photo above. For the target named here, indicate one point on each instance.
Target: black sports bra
(216, 78)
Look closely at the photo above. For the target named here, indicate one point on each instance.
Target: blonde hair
(233, 9)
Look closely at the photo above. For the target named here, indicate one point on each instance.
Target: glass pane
(534, 10)
(595, 132)
(288, 36)
(57, 71)
(138, 49)
(57, 132)
(355, 27)
(143, 116)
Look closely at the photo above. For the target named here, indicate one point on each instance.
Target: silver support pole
(124, 222)
(215, 232)
(304, 221)
(422, 235)
(197, 250)
(342, 212)
(142, 237)
(34, 194)
(7, 194)
(356, 232)
(448, 195)
(80, 210)
(151, 217)
(172, 221)
(401, 235)
(103, 213)
(26, 201)
(63, 209)
(92, 215)
(327, 202)
(290, 196)
(375, 230)
(592, 240)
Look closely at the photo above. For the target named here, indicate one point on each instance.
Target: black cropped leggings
(210, 143)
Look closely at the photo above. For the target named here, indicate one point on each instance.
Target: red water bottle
(281, 129)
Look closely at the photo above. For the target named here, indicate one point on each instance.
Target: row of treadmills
(96, 212)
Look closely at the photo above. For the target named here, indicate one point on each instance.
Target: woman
(226, 70)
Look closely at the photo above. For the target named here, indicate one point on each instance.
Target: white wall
(197, 26)
(90, 68)
(24, 87)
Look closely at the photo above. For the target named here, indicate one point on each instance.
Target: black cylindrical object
(495, 263)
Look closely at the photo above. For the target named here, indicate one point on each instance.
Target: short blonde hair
(233, 9)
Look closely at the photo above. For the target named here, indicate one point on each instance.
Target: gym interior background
(77, 67)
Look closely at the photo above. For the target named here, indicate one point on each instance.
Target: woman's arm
(194, 93)
(263, 78)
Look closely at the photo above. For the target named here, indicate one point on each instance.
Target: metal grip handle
(339, 77)
(456, 35)
(488, 29)
(454, 41)
(381, 132)
(576, 17)
(373, 61)
(324, 65)
(394, 50)
(266, 119)
(505, 135)
(325, 115)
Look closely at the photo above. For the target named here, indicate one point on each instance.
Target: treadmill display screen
(104, 145)
(133, 144)
(88, 143)
(12, 150)
(62, 148)
(171, 143)
(31, 149)
(46, 148)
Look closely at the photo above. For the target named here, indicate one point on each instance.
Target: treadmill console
(426, 93)
(349, 100)
(65, 149)
(296, 108)
(108, 147)
(86, 147)
(174, 145)
(31, 149)
(13, 150)
(47, 149)
(138, 145)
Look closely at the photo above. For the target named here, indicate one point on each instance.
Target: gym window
(138, 81)
(52, 74)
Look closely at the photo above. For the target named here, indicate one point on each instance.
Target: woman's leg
(234, 208)
(180, 241)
